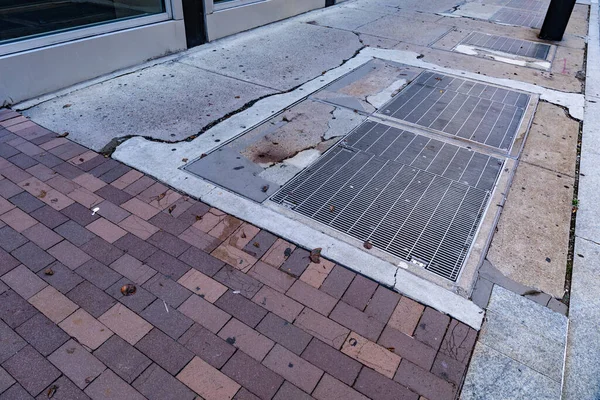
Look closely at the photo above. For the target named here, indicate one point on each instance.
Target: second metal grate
(417, 198)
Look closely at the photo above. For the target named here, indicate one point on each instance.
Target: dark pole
(557, 19)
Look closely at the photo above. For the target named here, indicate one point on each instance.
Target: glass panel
(23, 19)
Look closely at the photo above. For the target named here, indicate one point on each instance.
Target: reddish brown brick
(370, 354)
(199, 239)
(330, 388)
(407, 347)
(359, 292)
(377, 386)
(357, 321)
(458, 342)
(166, 264)
(278, 303)
(259, 245)
(284, 333)
(202, 261)
(31, 370)
(382, 304)
(322, 327)
(252, 375)
(311, 297)
(240, 282)
(337, 281)
(431, 327)
(423, 382)
(164, 351)
(124, 359)
(102, 251)
(296, 263)
(169, 224)
(293, 368)
(172, 322)
(332, 361)
(135, 247)
(168, 243)
(272, 277)
(204, 313)
(110, 387)
(406, 316)
(241, 308)
(290, 392)
(244, 394)
(206, 345)
(448, 369)
(315, 274)
(278, 253)
(246, 339)
(157, 384)
(167, 289)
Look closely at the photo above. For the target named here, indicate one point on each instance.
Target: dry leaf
(331, 208)
(184, 160)
(128, 290)
(391, 348)
(198, 217)
(67, 105)
(287, 252)
(315, 255)
(42, 194)
(243, 235)
(256, 244)
(202, 155)
(265, 188)
(161, 196)
(51, 391)
(65, 134)
(48, 271)
(172, 208)
(368, 245)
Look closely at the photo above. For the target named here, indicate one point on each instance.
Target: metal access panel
(416, 198)
(481, 113)
(518, 17)
(524, 48)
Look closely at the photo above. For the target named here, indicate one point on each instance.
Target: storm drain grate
(518, 47)
(417, 198)
(512, 16)
(475, 111)
(531, 5)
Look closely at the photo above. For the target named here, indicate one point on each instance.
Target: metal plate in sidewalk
(471, 110)
(519, 17)
(524, 48)
(416, 198)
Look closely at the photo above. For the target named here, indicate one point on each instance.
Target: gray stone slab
(170, 101)
(482, 292)
(279, 56)
(538, 319)
(505, 335)
(494, 376)
(582, 368)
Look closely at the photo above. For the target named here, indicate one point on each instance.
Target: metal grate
(414, 197)
(475, 111)
(518, 47)
(519, 17)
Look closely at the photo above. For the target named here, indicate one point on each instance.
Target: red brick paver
(222, 309)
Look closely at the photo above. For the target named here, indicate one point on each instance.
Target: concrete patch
(369, 87)
(552, 140)
(582, 368)
(531, 242)
(280, 56)
(494, 376)
(156, 102)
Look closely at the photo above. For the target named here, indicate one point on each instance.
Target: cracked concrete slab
(552, 140)
(402, 28)
(155, 102)
(532, 237)
(281, 56)
(347, 18)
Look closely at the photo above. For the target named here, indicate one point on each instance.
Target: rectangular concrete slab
(170, 102)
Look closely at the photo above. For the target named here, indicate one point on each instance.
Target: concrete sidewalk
(306, 83)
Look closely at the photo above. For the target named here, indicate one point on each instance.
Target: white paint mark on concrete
(380, 99)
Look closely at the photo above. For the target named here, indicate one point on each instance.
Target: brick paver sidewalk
(221, 309)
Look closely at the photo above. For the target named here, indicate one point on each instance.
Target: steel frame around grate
(416, 198)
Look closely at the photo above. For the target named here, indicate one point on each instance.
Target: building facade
(47, 45)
